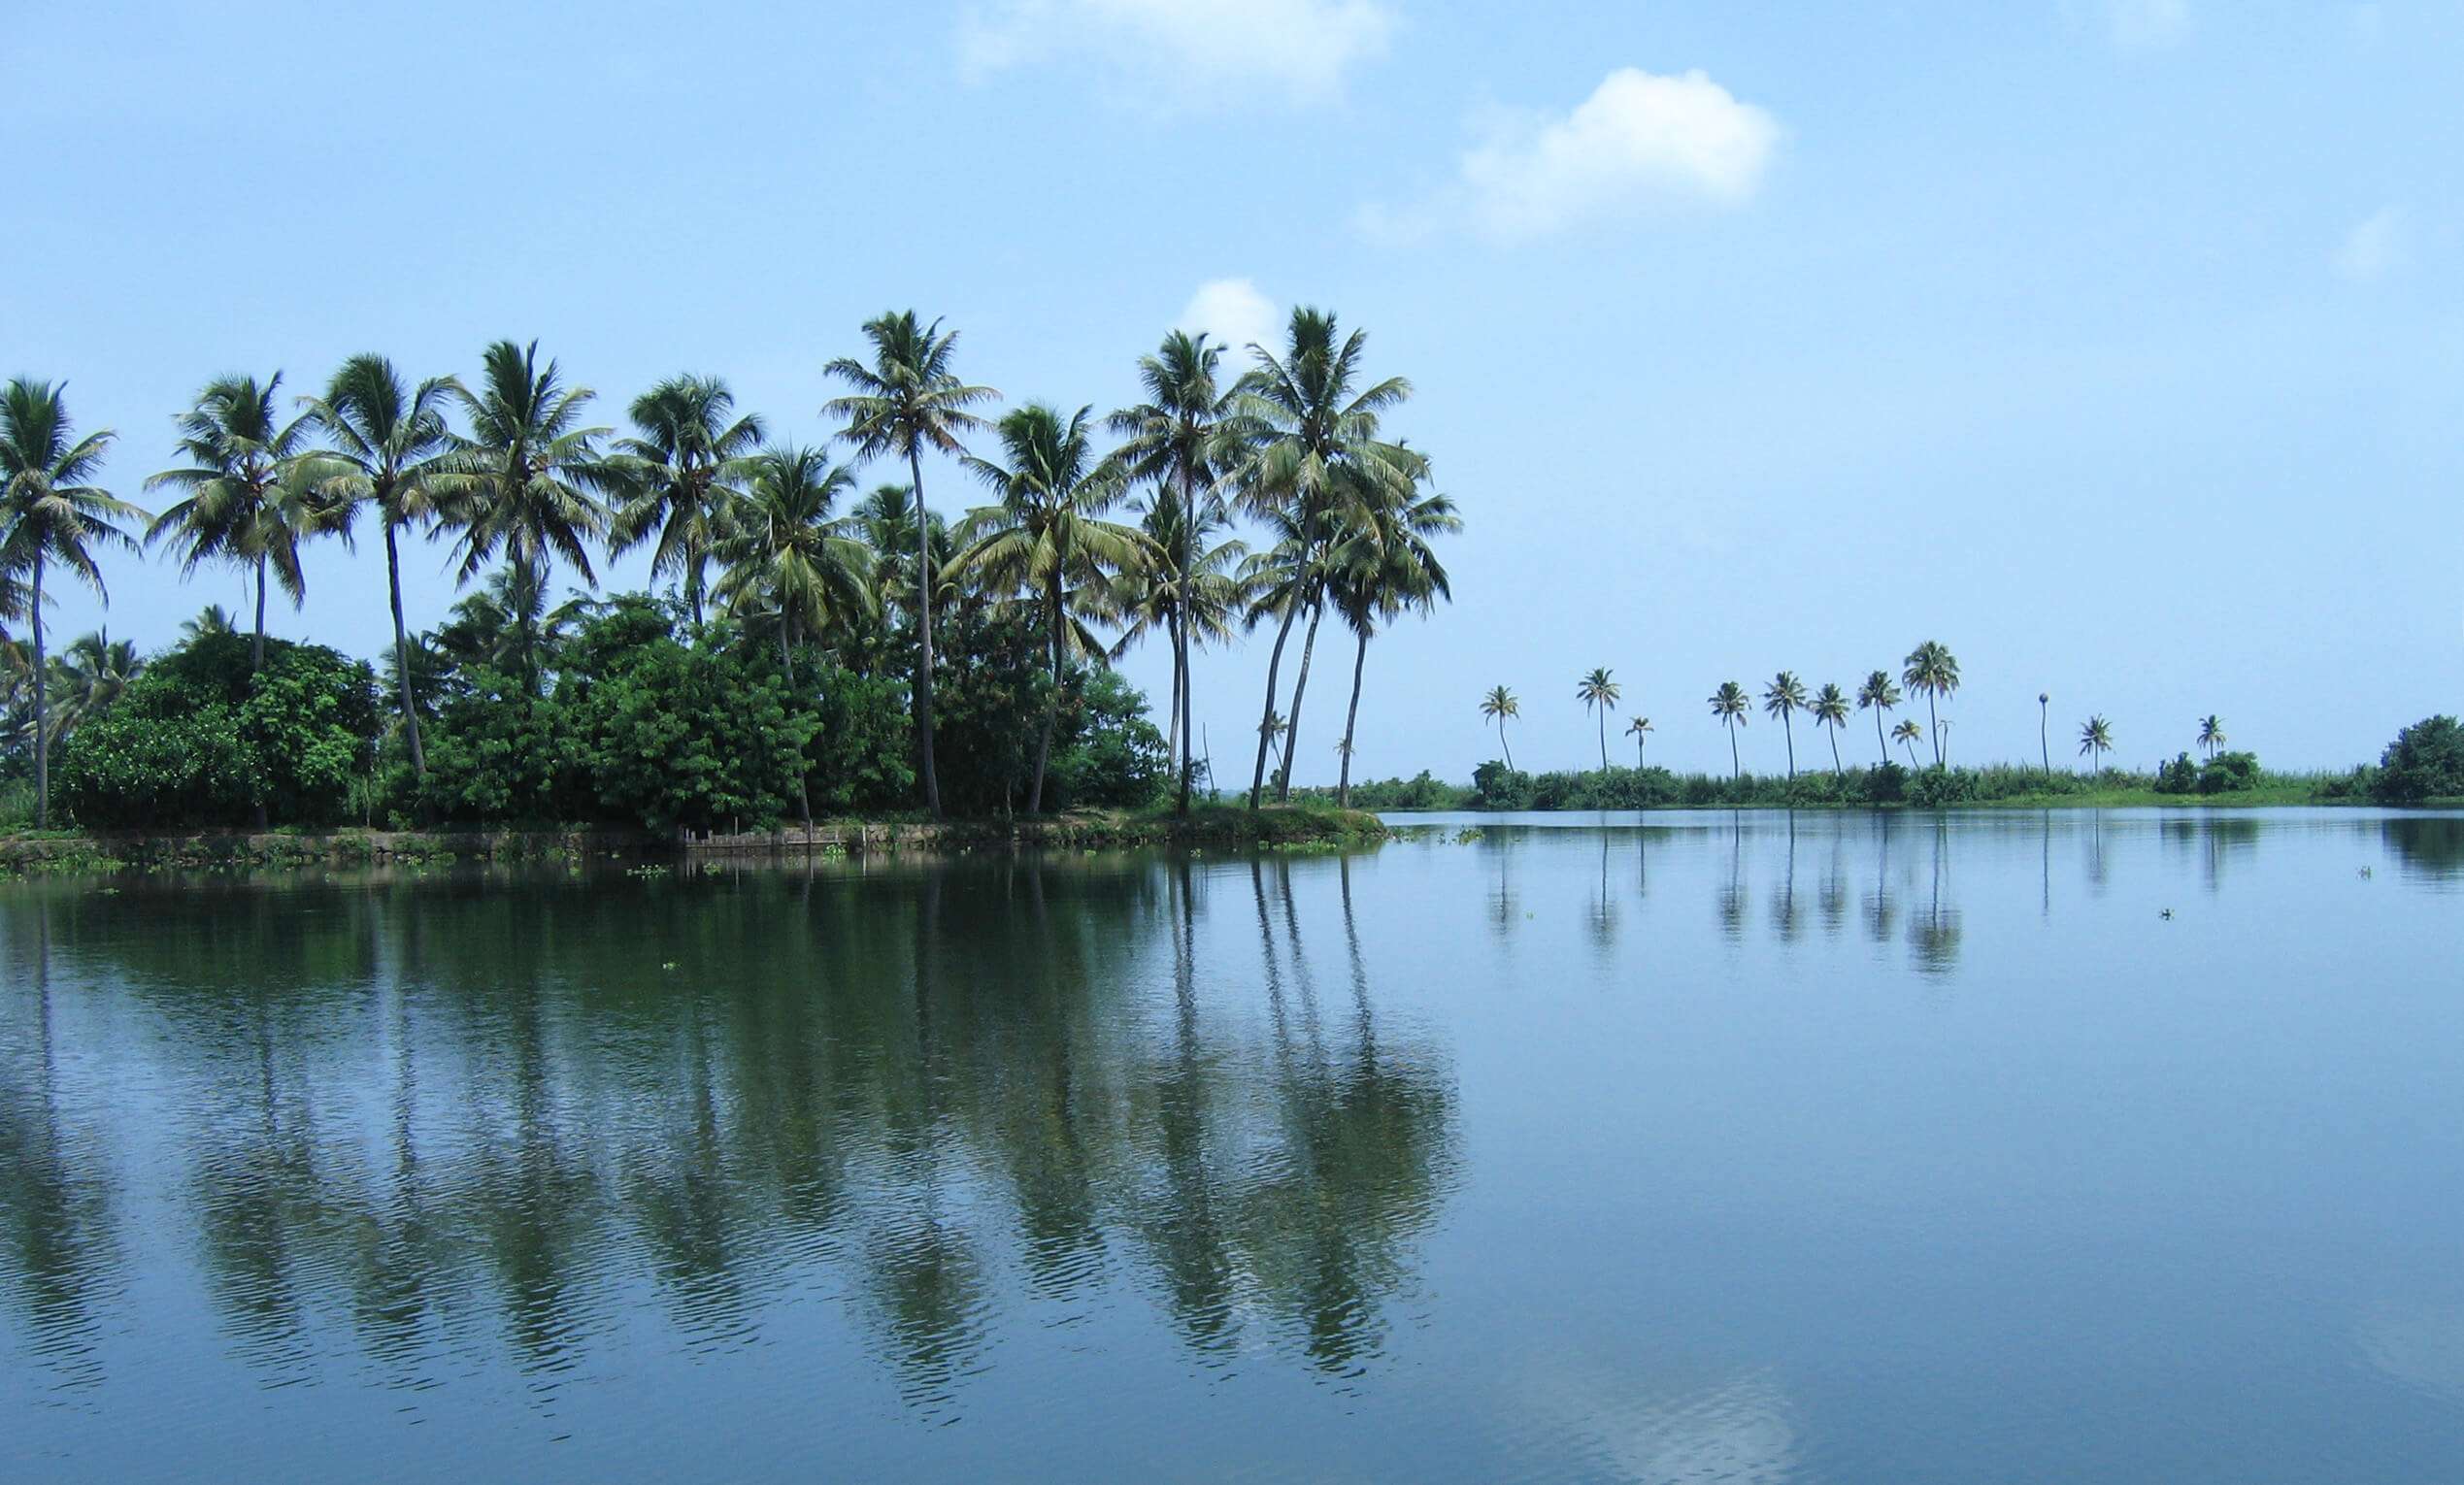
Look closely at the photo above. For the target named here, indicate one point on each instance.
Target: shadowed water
(1697, 1148)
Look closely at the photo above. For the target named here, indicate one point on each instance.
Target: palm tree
(1906, 735)
(390, 445)
(1596, 689)
(1782, 699)
(1500, 704)
(907, 401)
(1830, 709)
(1730, 705)
(1385, 569)
(1175, 440)
(2044, 748)
(529, 479)
(680, 477)
(1313, 457)
(1191, 593)
(508, 626)
(1639, 728)
(1880, 695)
(2212, 736)
(1047, 537)
(212, 622)
(51, 513)
(781, 550)
(2095, 739)
(251, 489)
(90, 677)
(1933, 673)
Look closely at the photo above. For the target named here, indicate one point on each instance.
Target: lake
(1835, 1148)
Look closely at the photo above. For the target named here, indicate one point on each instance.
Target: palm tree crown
(2212, 736)
(1783, 699)
(1499, 705)
(2095, 739)
(1639, 728)
(680, 474)
(1933, 673)
(1729, 704)
(1597, 690)
(1830, 708)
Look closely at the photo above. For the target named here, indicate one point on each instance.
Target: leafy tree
(52, 514)
(1830, 709)
(388, 448)
(681, 476)
(1729, 704)
(1933, 673)
(1047, 538)
(906, 401)
(2425, 760)
(1597, 690)
(1878, 694)
(1783, 699)
(1499, 705)
(2095, 739)
(1115, 756)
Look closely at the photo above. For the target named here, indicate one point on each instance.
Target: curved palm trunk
(1934, 722)
(1884, 742)
(1911, 745)
(1181, 629)
(1172, 713)
(402, 659)
(1300, 687)
(1603, 739)
(924, 638)
(1051, 701)
(42, 711)
(2044, 745)
(1736, 768)
(1788, 727)
(1265, 731)
(1507, 747)
(1836, 771)
(1351, 719)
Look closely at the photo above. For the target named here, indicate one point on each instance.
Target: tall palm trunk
(1882, 741)
(1637, 752)
(1836, 771)
(1266, 718)
(1736, 768)
(2044, 746)
(1188, 733)
(1788, 728)
(1172, 712)
(257, 649)
(1604, 739)
(1291, 732)
(1934, 723)
(1052, 701)
(42, 711)
(788, 668)
(923, 636)
(1507, 747)
(1181, 629)
(1351, 719)
(402, 659)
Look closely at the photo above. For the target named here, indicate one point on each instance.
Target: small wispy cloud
(2374, 249)
(1642, 140)
(1234, 313)
(1183, 51)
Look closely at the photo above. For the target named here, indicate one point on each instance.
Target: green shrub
(2425, 760)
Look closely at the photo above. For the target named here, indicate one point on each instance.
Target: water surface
(1839, 1148)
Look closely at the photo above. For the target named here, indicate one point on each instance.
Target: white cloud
(1640, 140)
(2374, 248)
(2147, 25)
(1234, 314)
(1299, 47)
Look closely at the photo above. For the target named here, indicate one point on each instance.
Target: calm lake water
(1696, 1148)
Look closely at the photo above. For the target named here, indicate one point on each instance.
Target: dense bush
(200, 739)
(2425, 760)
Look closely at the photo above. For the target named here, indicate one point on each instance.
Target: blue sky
(2118, 345)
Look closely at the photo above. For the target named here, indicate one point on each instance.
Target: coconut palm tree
(1192, 594)
(1933, 673)
(1878, 694)
(2211, 739)
(1175, 441)
(1784, 698)
(1311, 455)
(1638, 728)
(1830, 708)
(1597, 690)
(1730, 705)
(211, 622)
(1500, 704)
(1906, 735)
(529, 481)
(1048, 538)
(1385, 569)
(508, 627)
(388, 447)
(52, 514)
(907, 401)
(679, 474)
(2095, 741)
(90, 677)
(251, 490)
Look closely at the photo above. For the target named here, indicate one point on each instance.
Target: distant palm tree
(1830, 709)
(1730, 705)
(2095, 739)
(508, 626)
(390, 447)
(1500, 704)
(2211, 739)
(1384, 568)
(2044, 749)
(1906, 735)
(1191, 595)
(51, 513)
(907, 401)
(1880, 695)
(252, 490)
(529, 479)
(1597, 690)
(1933, 673)
(1048, 538)
(1639, 729)
(212, 622)
(1784, 698)
(89, 679)
(680, 476)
